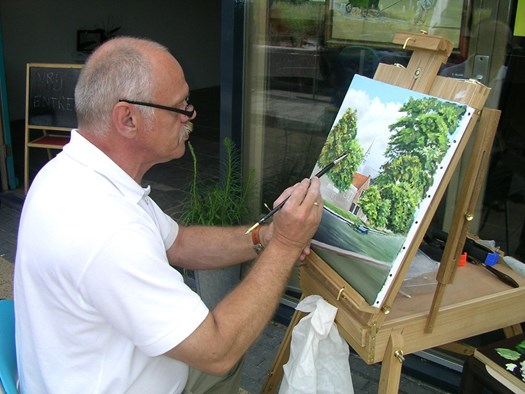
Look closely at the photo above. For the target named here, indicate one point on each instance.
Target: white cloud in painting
(373, 119)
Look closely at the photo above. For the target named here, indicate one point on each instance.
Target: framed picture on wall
(375, 21)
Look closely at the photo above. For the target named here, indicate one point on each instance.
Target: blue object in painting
(362, 229)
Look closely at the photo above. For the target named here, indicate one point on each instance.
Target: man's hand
(266, 233)
(297, 221)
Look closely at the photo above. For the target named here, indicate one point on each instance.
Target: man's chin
(181, 151)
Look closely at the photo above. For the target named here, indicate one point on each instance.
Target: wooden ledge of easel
(477, 302)
(413, 41)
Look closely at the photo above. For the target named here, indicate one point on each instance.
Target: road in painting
(361, 257)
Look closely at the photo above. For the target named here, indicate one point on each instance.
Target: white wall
(43, 31)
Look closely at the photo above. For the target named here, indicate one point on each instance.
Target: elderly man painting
(99, 307)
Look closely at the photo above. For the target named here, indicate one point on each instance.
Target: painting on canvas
(400, 143)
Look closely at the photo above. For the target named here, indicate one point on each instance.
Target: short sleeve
(167, 227)
(131, 284)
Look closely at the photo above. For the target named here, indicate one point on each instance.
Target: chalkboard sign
(50, 93)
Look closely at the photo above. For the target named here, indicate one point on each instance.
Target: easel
(475, 303)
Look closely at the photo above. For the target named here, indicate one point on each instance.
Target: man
(99, 309)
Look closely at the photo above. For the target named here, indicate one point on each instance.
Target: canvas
(400, 144)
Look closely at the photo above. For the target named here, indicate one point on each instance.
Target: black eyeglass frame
(185, 112)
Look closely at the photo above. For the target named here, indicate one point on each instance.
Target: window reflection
(303, 55)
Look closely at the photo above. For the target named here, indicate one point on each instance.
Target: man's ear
(125, 118)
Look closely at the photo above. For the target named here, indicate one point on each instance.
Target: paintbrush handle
(273, 211)
(278, 207)
(502, 276)
(325, 170)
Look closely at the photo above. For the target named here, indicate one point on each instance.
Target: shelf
(49, 141)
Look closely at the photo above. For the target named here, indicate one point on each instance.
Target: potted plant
(221, 203)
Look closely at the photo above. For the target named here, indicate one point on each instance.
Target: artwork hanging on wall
(373, 21)
(400, 143)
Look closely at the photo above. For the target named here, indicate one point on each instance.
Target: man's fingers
(298, 193)
(313, 196)
(284, 195)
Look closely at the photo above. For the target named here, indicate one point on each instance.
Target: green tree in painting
(340, 140)
(376, 209)
(407, 169)
(402, 206)
(419, 141)
(423, 132)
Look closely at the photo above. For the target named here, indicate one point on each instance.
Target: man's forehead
(167, 70)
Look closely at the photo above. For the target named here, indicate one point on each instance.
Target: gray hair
(119, 69)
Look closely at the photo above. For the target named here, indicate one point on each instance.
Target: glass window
(301, 56)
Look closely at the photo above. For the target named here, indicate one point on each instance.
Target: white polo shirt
(97, 303)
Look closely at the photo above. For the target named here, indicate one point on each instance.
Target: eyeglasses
(188, 110)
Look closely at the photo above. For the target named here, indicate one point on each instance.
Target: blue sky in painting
(377, 105)
(383, 91)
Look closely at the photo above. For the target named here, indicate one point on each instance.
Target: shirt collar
(87, 154)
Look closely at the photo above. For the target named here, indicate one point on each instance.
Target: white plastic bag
(319, 360)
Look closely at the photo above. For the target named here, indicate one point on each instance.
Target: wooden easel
(474, 301)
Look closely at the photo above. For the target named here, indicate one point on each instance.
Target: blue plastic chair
(8, 369)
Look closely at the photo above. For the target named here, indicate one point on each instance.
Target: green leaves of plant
(220, 203)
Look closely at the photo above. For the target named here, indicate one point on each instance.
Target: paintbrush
(278, 207)
(500, 275)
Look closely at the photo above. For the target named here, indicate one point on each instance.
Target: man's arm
(210, 247)
(207, 247)
(228, 331)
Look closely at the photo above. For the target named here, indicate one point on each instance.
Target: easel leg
(392, 363)
(275, 374)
